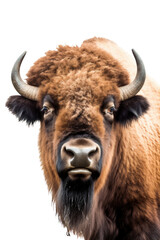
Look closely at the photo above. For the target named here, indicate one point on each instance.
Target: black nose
(80, 156)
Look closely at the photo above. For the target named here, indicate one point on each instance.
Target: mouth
(79, 173)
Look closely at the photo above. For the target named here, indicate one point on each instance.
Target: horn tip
(134, 52)
(23, 54)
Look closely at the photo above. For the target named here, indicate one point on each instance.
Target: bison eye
(108, 112)
(44, 110)
(111, 110)
(48, 112)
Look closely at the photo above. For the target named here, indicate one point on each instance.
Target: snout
(80, 159)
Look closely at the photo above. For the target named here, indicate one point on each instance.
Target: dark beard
(74, 202)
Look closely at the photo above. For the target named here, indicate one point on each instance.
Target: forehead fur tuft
(86, 58)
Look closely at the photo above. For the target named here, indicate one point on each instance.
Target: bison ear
(131, 109)
(24, 109)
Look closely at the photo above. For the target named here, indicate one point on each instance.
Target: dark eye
(111, 110)
(44, 110)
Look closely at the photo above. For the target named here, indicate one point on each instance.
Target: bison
(99, 141)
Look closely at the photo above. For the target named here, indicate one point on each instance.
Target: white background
(26, 211)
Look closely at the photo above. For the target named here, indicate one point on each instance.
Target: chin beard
(74, 201)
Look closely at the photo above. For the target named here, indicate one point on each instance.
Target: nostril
(93, 152)
(94, 155)
(69, 152)
(66, 154)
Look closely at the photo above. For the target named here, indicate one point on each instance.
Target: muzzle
(79, 158)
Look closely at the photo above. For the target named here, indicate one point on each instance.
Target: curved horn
(22, 88)
(134, 87)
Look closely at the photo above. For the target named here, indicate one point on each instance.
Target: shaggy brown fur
(126, 199)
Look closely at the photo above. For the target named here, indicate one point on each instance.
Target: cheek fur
(47, 156)
(108, 149)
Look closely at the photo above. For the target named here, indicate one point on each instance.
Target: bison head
(79, 95)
